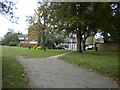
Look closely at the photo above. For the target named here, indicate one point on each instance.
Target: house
(100, 40)
(24, 41)
(70, 44)
(23, 38)
(1, 38)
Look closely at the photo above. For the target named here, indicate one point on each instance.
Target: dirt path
(51, 72)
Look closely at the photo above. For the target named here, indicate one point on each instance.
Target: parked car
(59, 47)
(89, 47)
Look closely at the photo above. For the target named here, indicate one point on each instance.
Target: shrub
(20, 43)
(13, 44)
(45, 48)
(35, 46)
(39, 48)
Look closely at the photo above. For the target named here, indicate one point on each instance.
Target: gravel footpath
(51, 72)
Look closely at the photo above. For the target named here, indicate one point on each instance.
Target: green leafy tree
(108, 14)
(52, 38)
(9, 37)
(85, 19)
(38, 23)
(69, 18)
(91, 40)
(82, 19)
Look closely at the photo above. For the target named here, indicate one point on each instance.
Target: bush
(35, 46)
(13, 44)
(45, 48)
(20, 43)
(39, 48)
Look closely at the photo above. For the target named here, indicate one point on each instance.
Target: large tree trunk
(43, 41)
(84, 45)
(84, 41)
(79, 39)
(39, 40)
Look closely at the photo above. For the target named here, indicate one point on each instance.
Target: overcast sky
(25, 7)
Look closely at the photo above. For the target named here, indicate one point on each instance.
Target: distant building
(1, 38)
(22, 38)
(100, 40)
(71, 44)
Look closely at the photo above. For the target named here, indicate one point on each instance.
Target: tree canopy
(10, 38)
(82, 19)
(7, 8)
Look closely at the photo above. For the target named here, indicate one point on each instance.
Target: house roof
(70, 40)
(22, 37)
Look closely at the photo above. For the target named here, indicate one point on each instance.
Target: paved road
(55, 73)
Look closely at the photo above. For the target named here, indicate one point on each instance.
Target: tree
(82, 19)
(7, 9)
(9, 37)
(73, 20)
(85, 19)
(115, 36)
(91, 40)
(53, 38)
(107, 15)
(38, 23)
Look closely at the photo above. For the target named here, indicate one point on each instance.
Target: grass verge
(105, 62)
(12, 72)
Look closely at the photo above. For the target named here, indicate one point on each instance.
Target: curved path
(51, 72)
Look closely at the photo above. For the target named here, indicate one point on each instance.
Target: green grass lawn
(103, 61)
(12, 72)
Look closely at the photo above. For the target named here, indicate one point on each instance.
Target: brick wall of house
(27, 45)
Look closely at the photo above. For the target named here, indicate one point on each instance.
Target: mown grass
(12, 72)
(105, 62)
(14, 51)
